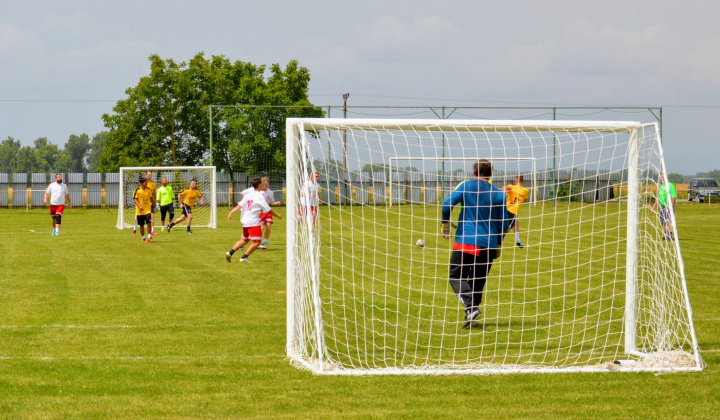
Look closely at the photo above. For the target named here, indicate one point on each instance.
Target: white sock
(57, 229)
(517, 236)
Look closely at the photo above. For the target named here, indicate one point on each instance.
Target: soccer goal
(441, 175)
(179, 178)
(596, 288)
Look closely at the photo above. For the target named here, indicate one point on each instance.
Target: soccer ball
(420, 243)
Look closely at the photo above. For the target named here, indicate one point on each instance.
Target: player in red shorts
(57, 193)
(252, 204)
(266, 219)
(309, 197)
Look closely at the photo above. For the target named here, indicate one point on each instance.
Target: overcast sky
(65, 63)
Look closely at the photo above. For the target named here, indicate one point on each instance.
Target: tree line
(81, 154)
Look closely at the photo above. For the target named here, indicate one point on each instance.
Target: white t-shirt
(310, 194)
(247, 191)
(252, 204)
(57, 193)
(269, 196)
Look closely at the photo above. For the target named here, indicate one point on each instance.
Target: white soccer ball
(420, 243)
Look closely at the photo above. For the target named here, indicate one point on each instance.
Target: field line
(210, 356)
(122, 326)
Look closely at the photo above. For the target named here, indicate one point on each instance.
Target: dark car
(702, 189)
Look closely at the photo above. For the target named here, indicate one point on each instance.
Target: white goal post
(599, 285)
(510, 167)
(179, 178)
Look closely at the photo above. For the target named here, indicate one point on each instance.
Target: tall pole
(210, 121)
(345, 196)
(554, 171)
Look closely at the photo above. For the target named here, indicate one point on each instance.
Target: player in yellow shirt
(516, 195)
(144, 203)
(187, 199)
(152, 186)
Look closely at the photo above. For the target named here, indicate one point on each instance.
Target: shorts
(186, 210)
(266, 218)
(313, 210)
(57, 209)
(144, 219)
(254, 233)
(167, 209)
(665, 217)
(513, 218)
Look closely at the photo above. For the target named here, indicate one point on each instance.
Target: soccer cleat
(154, 233)
(189, 232)
(228, 257)
(144, 240)
(170, 226)
(52, 233)
(245, 259)
(262, 247)
(265, 242)
(150, 239)
(471, 317)
(134, 233)
(519, 244)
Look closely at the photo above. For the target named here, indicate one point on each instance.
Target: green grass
(95, 324)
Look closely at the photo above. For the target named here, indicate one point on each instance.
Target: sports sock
(517, 236)
(232, 251)
(244, 257)
(188, 228)
(143, 237)
(57, 229)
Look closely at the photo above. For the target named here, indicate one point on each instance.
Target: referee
(165, 197)
(482, 224)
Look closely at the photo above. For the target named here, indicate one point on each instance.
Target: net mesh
(367, 299)
(204, 215)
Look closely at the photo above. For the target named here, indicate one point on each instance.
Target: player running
(152, 186)
(266, 220)
(483, 221)
(58, 193)
(165, 197)
(144, 202)
(516, 195)
(187, 199)
(251, 206)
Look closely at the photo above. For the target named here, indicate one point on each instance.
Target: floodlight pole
(211, 130)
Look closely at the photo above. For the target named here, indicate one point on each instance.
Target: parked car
(701, 189)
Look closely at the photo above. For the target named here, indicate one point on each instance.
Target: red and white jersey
(252, 204)
(309, 194)
(57, 193)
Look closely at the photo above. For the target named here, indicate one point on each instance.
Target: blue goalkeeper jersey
(484, 218)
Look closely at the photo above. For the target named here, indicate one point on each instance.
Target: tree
(46, 154)
(97, 146)
(676, 178)
(164, 119)
(9, 149)
(77, 148)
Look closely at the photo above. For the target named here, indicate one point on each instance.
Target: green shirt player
(165, 197)
(666, 206)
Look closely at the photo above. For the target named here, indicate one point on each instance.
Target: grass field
(95, 324)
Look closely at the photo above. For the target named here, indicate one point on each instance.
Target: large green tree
(164, 119)
(9, 149)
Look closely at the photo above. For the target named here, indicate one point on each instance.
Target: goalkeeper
(482, 224)
(165, 197)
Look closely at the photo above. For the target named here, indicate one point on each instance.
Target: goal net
(598, 284)
(179, 178)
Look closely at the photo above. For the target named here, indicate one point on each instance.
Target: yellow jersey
(144, 198)
(516, 195)
(152, 186)
(190, 196)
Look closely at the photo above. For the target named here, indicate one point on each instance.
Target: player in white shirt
(309, 197)
(266, 219)
(252, 204)
(57, 193)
